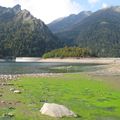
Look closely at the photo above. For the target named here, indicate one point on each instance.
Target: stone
(55, 110)
(12, 89)
(2, 101)
(17, 91)
(8, 115)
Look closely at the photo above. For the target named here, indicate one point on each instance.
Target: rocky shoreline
(14, 77)
(8, 77)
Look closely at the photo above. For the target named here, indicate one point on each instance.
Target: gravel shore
(70, 60)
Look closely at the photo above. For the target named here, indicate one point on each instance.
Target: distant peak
(17, 8)
(116, 8)
(113, 8)
(86, 13)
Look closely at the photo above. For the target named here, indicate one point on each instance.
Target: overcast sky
(49, 10)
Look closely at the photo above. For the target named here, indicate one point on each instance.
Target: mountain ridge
(62, 24)
(98, 32)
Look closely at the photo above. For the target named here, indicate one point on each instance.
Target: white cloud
(104, 5)
(93, 1)
(47, 10)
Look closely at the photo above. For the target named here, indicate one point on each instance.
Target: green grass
(90, 99)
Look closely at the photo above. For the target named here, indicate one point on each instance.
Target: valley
(72, 64)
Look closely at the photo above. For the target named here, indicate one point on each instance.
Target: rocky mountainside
(21, 34)
(99, 32)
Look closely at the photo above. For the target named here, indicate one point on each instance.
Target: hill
(98, 32)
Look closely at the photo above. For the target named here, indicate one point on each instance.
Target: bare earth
(84, 60)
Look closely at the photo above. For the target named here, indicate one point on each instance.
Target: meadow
(89, 97)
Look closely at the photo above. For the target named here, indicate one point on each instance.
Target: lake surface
(31, 68)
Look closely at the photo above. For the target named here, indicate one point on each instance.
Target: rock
(9, 77)
(2, 101)
(8, 115)
(55, 110)
(6, 84)
(17, 91)
(12, 89)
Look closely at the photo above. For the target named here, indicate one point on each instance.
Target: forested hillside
(99, 32)
(21, 34)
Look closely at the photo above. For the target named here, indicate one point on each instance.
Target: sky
(49, 10)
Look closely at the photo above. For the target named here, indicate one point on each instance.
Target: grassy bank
(90, 99)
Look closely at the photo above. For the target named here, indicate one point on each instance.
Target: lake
(32, 67)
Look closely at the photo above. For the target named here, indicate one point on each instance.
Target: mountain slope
(100, 32)
(66, 23)
(21, 34)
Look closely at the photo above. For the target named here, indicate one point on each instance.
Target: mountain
(21, 34)
(63, 24)
(99, 32)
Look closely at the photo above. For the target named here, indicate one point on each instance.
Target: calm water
(27, 68)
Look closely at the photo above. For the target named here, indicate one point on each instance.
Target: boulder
(55, 110)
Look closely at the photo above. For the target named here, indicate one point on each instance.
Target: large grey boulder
(55, 110)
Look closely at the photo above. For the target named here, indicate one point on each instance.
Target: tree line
(68, 52)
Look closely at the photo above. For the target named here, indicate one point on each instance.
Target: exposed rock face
(55, 110)
(17, 8)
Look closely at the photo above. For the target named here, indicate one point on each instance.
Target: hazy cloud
(104, 5)
(93, 1)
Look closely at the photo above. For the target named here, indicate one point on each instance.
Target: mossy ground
(89, 98)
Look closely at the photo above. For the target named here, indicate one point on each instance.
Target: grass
(90, 99)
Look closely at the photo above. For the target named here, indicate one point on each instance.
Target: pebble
(12, 89)
(17, 91)
(8, 77)
(8, 115)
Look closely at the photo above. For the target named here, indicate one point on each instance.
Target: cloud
(47, 10)
(6, 3)
(93, 1)
(104, 5)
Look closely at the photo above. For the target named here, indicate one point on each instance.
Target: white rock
(55, 110)
(12, 89)
(17, 91)
(2, 101)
